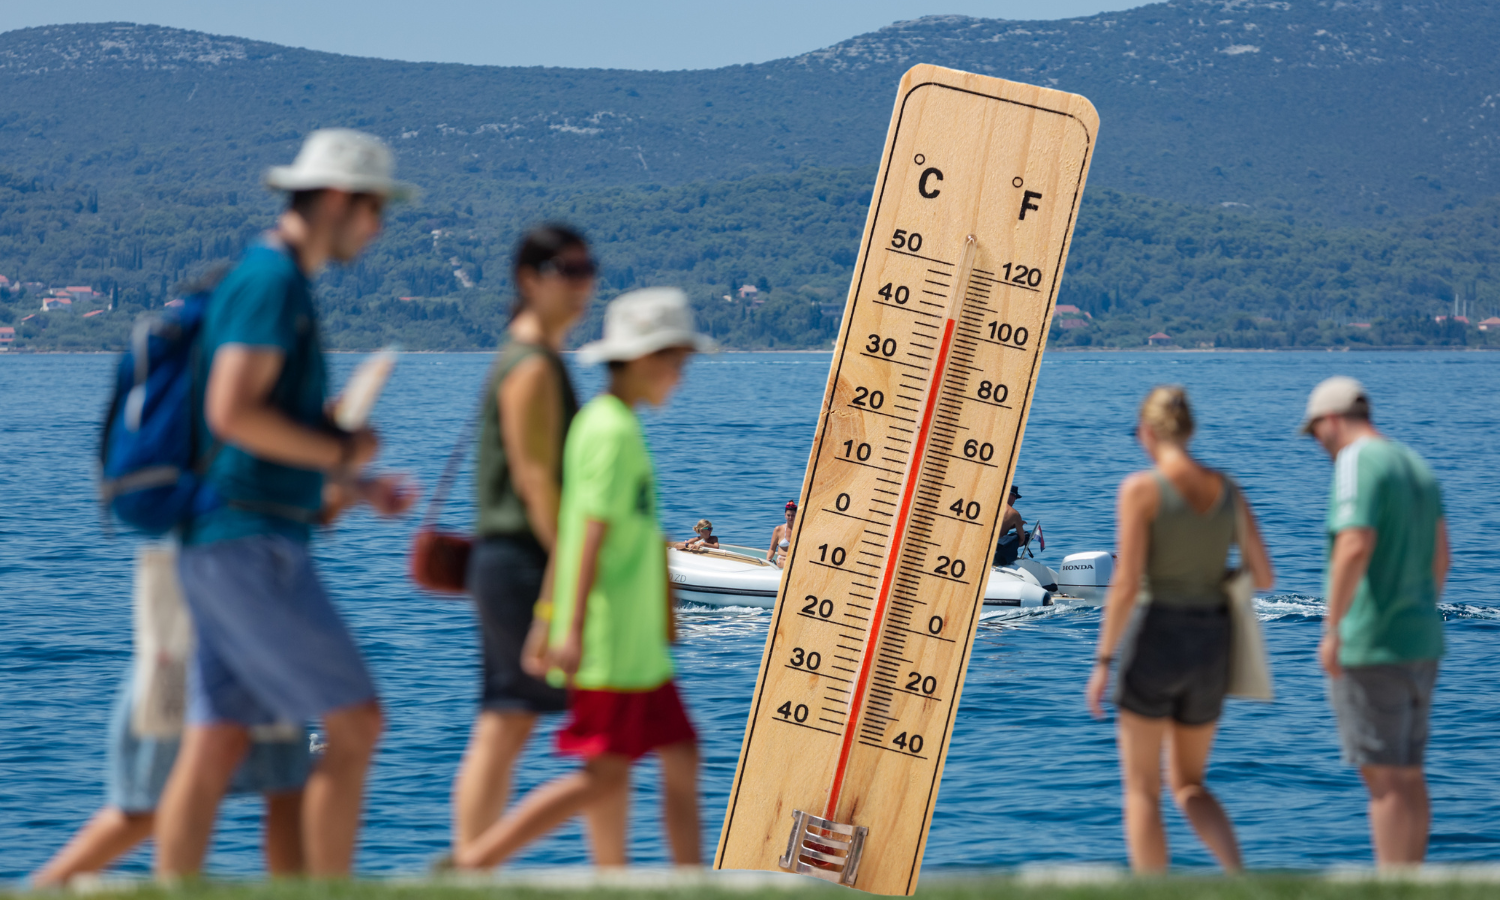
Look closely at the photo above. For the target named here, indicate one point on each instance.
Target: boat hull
(740, 577)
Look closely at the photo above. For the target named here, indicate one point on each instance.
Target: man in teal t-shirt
(1387, 559)
(269, 643)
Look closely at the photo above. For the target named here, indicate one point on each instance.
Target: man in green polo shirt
(1387, 560)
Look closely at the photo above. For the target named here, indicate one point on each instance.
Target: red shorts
(628, 723)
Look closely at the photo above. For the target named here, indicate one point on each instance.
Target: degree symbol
(920, 159)
(1016, 182)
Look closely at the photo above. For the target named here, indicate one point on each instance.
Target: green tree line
(439, 277)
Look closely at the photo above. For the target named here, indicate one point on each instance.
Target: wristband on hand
(1104, 660)
(542, 610)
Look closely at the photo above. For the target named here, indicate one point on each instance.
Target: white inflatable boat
(741, 576)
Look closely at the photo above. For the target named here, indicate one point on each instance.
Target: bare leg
(679, 781)
(544, 809)
(190, 802)
(110, 834)
(1400, 814)
(1187, 759)
(1140, 767)
(607, 814)
(482, 787)
(335, 791)
(283, 836)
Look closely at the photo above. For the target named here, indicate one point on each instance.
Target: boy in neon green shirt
(610, 616)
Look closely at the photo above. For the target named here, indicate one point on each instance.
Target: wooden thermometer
(922, 420)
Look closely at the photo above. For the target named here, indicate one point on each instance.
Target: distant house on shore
(1071, 311)
(1160, 339)
(80, 292)
(748, 291)
(1463, 320)
(7, 335)
(1491, 322)
(51, 303)
(91, 314)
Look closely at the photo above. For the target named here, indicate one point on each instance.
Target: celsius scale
(917, 440)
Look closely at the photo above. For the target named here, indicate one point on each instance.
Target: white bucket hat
(345, 160)
(1336, 396)
(642, 322)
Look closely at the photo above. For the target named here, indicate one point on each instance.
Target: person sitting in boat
(705, 539)
(781, 537)
(1013, 534)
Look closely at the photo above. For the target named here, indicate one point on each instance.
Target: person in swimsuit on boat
(522, 431)
(1012, 531)
(705, 539)
(1168, 614)
(781, 537)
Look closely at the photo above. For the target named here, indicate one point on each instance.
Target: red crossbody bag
(440, 559)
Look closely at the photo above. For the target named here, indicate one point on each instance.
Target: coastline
(1168, 350)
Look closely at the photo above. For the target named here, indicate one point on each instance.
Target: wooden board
(922, 419)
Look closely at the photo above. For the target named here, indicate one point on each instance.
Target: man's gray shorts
(1383, 712)
(270, 645)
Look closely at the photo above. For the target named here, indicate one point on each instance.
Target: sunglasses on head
(576, 270)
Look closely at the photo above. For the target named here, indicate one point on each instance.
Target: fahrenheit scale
(921, 424)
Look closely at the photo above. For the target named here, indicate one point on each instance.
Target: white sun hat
(639, 323)
(343, 159)
(1336, 396)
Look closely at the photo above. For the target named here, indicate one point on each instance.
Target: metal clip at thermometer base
(932, 377)
(824, 849)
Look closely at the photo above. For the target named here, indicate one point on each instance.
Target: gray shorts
(1383, 712)
(271, 646)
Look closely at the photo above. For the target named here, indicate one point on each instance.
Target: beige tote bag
(163, 640)
(1249, 666)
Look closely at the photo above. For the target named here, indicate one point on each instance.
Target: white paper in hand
(354, 405)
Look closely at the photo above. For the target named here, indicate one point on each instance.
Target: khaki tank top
(501, 511)
(1189, 553)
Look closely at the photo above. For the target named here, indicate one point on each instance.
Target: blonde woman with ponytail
(1167, 619)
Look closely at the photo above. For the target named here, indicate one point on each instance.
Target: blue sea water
(1031, 777)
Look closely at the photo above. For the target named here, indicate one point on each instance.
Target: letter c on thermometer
(922, 182)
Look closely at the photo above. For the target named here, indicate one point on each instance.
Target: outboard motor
(1086, 575)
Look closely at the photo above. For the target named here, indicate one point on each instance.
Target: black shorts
(505, 578)
(1177, 665)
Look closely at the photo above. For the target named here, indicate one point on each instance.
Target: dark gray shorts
(1176, 664)
(505, 578)
(1383, 712)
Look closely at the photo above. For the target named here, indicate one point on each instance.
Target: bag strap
(456, 456)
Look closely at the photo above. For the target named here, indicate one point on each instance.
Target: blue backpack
(152, 474)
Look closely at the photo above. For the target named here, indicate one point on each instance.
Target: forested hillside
(1138, 266)
(1334, 109)
(1268, 173)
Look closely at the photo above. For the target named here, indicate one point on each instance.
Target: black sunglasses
(570, 269)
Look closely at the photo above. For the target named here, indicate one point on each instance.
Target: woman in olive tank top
(519, 484)
(1168, 615)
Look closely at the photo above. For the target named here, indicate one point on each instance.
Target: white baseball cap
(1336, 396)
(343, 159)
(639, 323)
